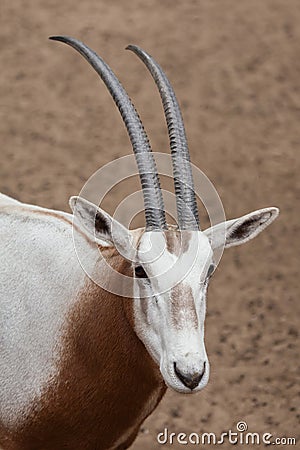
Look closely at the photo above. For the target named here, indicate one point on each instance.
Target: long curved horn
(188, 217)
(153, 200)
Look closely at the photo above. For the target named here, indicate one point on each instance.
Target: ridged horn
(188, 217)
(153, 200)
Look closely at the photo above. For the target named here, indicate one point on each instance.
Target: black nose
(190, 380)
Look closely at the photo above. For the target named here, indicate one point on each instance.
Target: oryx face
(171, 266)
(171, 279)
(171, 271)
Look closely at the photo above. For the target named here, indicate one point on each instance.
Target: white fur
(41, 277)
(163, 340)
(167, 343)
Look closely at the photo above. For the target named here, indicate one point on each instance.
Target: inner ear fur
(241, 230)
(101, 225)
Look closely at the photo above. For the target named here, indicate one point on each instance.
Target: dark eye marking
(140, 272)
(210, 271)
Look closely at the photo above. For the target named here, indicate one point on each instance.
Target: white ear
(100, 225)
(238, 231)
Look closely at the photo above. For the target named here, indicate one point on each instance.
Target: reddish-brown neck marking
(107, 384)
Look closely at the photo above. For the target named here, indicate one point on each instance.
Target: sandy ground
(235, 66)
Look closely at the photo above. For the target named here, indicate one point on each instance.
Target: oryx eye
(140, 272)
(210, 271)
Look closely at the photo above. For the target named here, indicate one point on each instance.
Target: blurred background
(235, 67)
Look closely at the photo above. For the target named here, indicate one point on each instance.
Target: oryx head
(171, 266)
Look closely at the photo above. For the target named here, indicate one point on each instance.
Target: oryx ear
(100, 225)
(238, 231)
